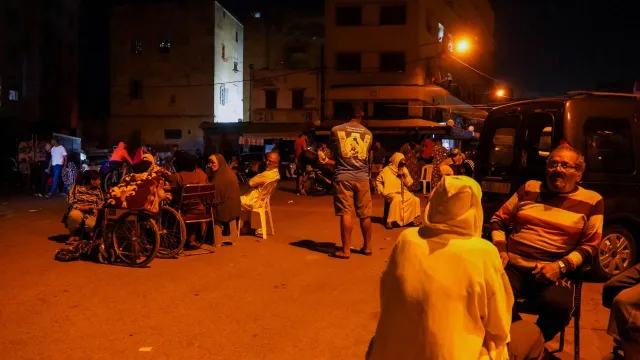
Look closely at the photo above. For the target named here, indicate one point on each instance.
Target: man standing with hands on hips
(351, 144)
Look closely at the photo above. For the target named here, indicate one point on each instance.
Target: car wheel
(616, 253)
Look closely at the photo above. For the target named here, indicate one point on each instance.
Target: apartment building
(399, 57)
(282, 66)
(175, 67)
(38, 65)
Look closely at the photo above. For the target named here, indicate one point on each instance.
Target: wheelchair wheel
(173, 232)
(136, 238)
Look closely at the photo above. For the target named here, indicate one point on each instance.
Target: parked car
(517, 138)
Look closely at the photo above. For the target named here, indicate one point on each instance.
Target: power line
(299, 72)
(474, 69)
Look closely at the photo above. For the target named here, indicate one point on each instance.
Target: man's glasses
(561, 165)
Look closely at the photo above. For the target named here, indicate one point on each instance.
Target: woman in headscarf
(411, 164)
(227, 196)
(444, 293)
(393, 183)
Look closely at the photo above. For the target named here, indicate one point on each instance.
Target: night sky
(543, 47)
(548, 47)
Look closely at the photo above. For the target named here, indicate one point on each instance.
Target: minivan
(517, 138)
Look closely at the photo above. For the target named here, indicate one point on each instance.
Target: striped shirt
(548, 226)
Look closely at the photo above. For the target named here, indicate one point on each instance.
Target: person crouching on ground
(84, 200)
(393, 183)
(271, 174)
(226, 198)
(444, 293)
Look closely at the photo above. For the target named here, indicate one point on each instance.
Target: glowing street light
(463, 46)
(500, 92)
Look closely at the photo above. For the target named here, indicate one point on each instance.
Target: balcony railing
(284, 115)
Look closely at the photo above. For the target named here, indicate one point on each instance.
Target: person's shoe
(259, 232)
(48, 196)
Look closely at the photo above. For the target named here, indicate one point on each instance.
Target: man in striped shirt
(554, 228)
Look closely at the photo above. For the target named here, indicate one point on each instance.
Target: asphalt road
(282, 298)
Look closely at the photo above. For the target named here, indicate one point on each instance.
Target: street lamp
(500, 93)
(462, 46)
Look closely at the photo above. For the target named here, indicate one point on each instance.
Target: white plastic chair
(425, 177)
(263, 207)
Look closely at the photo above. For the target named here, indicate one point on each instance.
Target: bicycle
(114, 177)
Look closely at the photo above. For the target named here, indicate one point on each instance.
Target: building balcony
(291, 116)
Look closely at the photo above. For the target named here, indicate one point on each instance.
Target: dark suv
(516, 140)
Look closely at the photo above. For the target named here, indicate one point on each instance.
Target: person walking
(58, 162)
(351, 142)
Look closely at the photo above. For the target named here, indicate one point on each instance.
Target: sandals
(366, 252)
(340, 255)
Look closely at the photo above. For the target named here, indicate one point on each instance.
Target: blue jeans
(56, 171)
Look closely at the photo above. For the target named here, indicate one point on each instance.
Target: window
(609, 146)
(14, 95)
(237, 37)
(271, 99)
(136, 47)
(393, 15)
(235, 66)
(297, 98)
(172, 134)
(164, 46)
(342, 110)
(392, 62)
(537, 143)
(440, 32)
(222, 51)
(502, 132)
(135, 89)
(348, 15)
(224, 95)
(348, 62)
(257, 14)
(390, 110)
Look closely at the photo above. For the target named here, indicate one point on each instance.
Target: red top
(300, 145)
(427, 151)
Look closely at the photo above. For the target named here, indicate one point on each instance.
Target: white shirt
(57, 155)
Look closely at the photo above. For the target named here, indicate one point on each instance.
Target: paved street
(254, 300)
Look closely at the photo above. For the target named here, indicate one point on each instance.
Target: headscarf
(227, 193)
(394, 161)
(454, 209)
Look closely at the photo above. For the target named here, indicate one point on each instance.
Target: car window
(503, 141)
(538, 138)
(609, 146)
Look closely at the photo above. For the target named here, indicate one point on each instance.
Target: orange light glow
(463, 46)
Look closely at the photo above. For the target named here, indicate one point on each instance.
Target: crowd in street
(446, 293)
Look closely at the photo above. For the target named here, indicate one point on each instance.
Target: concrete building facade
(396, 56)
(172, 74)
(38, 65)
(282, 67)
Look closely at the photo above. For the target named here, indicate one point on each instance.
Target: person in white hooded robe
(393, 183)
(444, 294)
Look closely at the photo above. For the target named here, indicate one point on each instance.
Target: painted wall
(228, 87)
